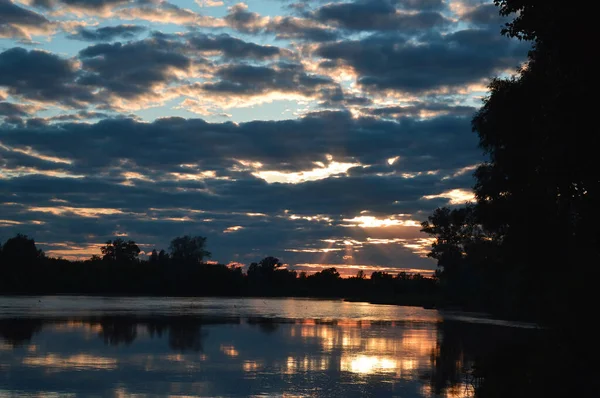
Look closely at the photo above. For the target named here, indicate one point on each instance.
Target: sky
(322, 133)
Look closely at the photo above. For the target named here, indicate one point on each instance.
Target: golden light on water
(74, 362)
(229, 350)
(366, 364)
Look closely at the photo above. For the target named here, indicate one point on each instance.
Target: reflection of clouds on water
(124, 355)
(81, 362)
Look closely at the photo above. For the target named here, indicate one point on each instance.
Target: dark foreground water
(101, 346)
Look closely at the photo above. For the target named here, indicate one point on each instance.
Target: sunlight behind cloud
(374, 222)
(456, 196)
(332, 169)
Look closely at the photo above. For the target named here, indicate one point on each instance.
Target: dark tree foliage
(188, 250)
(538, 195)
(120, 271)
(22, 249)
(120, 251)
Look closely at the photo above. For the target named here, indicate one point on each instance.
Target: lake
(148, 346)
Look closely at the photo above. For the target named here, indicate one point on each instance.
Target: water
(121, 346)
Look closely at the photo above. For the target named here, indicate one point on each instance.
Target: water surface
(122, 346)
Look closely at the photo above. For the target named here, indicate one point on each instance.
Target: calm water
(101, 346)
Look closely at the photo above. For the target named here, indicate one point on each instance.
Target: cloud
(453, 60)
(378, 15)
(107, 33)
(20, 23)
(90, 5)
(484, 15)
(209, 3)
(239, 18)
(380, 94)
(8, 109)
(244, 79)
(133, 69)
(300, 29)
(165, 12)
(232, 47)
(86, 181)
(41, 76)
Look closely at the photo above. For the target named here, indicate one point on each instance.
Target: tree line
(183, 271)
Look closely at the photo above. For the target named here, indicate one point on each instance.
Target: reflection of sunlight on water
(45, 394)
(304, 364)
(368, 364)
(229, 350)
(461, 390)
(89, 330)
(74, 362)
(364, 349)
(251, 366)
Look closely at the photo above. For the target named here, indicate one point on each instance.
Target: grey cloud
(239, 18)
(104, 150)
(420, 4)
(378, 15)
(337, 98)
(415, 110)
(232, 47)
(81, 4)
(9, 109)
(107, 33)
(15, 20)
(485, 15)
(300, 29)
(41, 76)
(438, 143)
(130, 69)
(457, 59)
(244, 79)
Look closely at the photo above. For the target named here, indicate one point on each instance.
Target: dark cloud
(42, 76)
(338, 98)
(378, 15)
(485, 15)
(132, 69)
(81, 4)
(420, 4)
(239, 18)
(107, 33)
(154, 180)
(232, 47)
(247, 79)
(300, 29)
(10, 110)
(82, 115)
(155, 204)
(17, 22)
(417, 109)
(438, 143)
(456, 59)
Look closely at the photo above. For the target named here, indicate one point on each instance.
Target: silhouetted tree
(189, 250)
(120, 251)
(540, 189)
(153, 257)
(21, 249)
(163, 258)
(269, 264)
